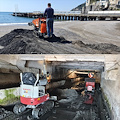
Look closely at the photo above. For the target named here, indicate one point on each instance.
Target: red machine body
(39, 25)
(33, 95)
(34, 101)
(90, 84)
(89, 89)
(32, 90)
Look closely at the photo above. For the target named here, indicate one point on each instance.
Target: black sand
(23, 41)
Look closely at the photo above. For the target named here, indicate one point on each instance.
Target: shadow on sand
(57, 39)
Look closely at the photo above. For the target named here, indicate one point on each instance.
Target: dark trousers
(50, 22)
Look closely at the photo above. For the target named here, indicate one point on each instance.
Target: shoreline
(26, 23)
(5, 28)
(12, 24)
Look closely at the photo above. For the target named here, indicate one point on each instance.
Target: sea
(6, 18)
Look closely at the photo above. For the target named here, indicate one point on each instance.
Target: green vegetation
(107, 101)
(10, 97)
(79, 7)
(92, 1)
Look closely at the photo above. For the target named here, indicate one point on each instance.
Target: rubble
(68, 95)
(73, 108)
(4, 113)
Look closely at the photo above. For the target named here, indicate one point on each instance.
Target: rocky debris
(68, 95)
(86, 115)
(4, 114)
(77, 110)
(23, 41)
(104, 46)
(72, 110)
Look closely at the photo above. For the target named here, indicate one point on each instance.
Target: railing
(67, 12)
(104, 12)
(59, 12)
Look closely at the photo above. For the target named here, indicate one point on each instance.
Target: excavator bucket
(90, 89)
(89, 99)
(36, 22)
(41, 24)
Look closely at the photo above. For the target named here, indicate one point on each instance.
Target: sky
(37, 5)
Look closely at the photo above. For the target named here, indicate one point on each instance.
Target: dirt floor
(73, 108)
(69, 106)
(91, 37)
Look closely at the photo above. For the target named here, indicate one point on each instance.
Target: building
(111, 2)
(87, 2)
(96, 5)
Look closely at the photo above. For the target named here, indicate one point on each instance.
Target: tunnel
(72, 77)
(74, 73)
(68, 83)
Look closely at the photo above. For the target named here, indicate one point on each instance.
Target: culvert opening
(68, 84)
(74, 101)
(73, 79)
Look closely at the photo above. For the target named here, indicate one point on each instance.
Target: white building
(111, 2)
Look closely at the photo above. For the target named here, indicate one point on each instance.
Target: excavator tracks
(42, 109)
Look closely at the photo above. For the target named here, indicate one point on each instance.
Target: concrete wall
(111, 85)
(55, 71)
(9, 96)
(9, 80)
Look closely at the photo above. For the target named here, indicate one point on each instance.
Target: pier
(76, 15)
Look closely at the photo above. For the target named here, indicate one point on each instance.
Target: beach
(79, 37)
(8, 28)
(91, 32)
(94, 31)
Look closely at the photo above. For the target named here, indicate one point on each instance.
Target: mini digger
(39, 26)
(89, 88)
(33, 95)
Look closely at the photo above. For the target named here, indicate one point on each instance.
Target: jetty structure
(91, 15)
(90, 10)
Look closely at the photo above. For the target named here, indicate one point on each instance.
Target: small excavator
(39, 26)
(89, 88)
(33, 95)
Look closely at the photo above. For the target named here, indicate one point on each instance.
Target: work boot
(51, 36)
(46, 36)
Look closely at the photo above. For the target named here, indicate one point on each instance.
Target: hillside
(79, 7)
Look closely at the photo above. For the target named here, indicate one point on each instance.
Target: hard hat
(91, 75)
